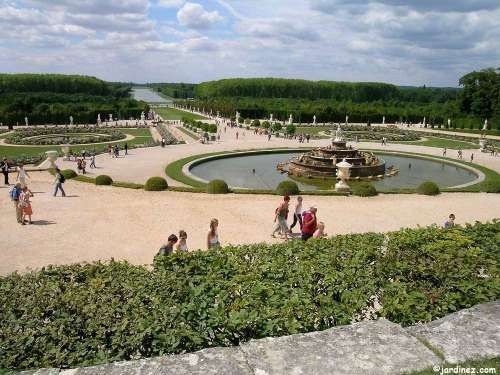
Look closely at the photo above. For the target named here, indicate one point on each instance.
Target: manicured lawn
(176, 114)
(477, 365)
(313, 130)
(143, 136)
(443, 143)
(191, 134)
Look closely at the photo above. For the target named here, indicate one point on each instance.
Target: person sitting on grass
(168, 248)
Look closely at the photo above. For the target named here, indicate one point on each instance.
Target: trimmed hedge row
(82, 314)
(156, 184)
(428, 188)
(103, 180)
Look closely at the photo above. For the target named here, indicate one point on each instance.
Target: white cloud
(194, 16)
(170, 3)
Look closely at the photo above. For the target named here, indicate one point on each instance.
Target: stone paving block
(375, 347)
(467, 334)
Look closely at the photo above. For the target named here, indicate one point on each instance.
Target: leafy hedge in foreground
(83, 314)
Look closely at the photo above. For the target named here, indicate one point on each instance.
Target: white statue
(217, 114)
(26, 120)
(99, 119)
(424, 122)
(71, 120)
(142, 116)
(237, 117)
(343, 174)
(339, 137)
(449, 123)
(290, 120)
(110, 117)
(383, 120)
(346, 120)
(271, 118)
(314, 120)
(485, 126)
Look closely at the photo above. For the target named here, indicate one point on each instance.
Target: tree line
(53, 98)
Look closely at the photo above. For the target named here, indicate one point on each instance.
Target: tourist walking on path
(58, 182)
(459, 153)
(320, 232)
(4, 167)
(444, 151)
(450, 222)
(92, 161)
(182, 244)
(168, 248)
(21, 175)
(126, 148)
(15, 194)
(309, 223)
(25, 205)
(213, 235)
(280, 216)
(471, 157)
(297, 214)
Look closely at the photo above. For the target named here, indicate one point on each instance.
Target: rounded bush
(156, 184)
(490, 186)
(287, 188)
(103, 180)
(428, 188)
(68, 173)
(217, 187)
(364, 189)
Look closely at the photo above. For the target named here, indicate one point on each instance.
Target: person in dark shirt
(168, 248)
(4, 167)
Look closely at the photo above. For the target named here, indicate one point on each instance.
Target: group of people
(307, 220)
(114, 151)
(179, 243)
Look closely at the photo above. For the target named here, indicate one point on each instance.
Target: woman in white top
(21, 175)
(182, 244)
(213, 236)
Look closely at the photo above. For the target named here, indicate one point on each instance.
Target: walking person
(182, 244)
(444, 151)
(15, 194)
(58, 182)
(297, 214)
(309, 223)
(92, 161)
(25, 205)
(84, 165)
(126, 148)
(21, 175)
(280, 216)
(471, 157)
(4, 167)
(213, 235)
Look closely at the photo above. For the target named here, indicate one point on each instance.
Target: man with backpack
(15, 194)
(60, 179)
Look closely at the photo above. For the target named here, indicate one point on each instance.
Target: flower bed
(81, 314)
(61, 135)
(166, 135)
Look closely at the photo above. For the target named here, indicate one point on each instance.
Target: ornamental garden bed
(61, 135)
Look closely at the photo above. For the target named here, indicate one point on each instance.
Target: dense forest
(53, 98)
(175, 90)
(467, 107)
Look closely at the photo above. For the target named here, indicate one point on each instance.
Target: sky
(405, 42)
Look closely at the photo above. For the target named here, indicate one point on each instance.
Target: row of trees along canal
(477, 98)
(53, 98)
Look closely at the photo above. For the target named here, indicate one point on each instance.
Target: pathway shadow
(43, 222)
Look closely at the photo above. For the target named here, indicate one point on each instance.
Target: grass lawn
(443, 143)
(142, 136)
(447, 368)
(177, 114)
(191, 134)
(313, 130)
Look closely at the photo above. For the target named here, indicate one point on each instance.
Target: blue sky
(409, 42)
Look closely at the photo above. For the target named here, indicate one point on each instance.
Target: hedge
(217, 187)
(83, 314)
(103, 180)
(428, 188)
(364, 189)
(287, 188)
(156, 184)
(492, 186)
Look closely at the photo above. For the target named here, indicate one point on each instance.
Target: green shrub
(287, 188)
(190, 301)
(156, 184)
(217, 187)
(428, 188)
(69, 173)
(491, 186)
(364, 189)
(103, 180)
